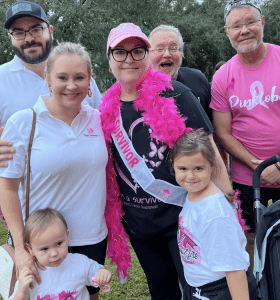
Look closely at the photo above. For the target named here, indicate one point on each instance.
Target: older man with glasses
(166, 55)
(245, 103)
(22, 79)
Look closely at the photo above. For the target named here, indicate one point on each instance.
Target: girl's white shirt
(67, 281)
(211, 240)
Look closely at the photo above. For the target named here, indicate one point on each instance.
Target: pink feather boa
(160, 113)
(162, 116)
(118, 249)
(239, 213)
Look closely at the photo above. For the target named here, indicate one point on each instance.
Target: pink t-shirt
(252, 95)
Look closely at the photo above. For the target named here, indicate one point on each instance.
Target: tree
(89, 22)
(202, 28)
(272, 19)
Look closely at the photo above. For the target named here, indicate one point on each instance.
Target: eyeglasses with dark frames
(137, 54)
(21, 34)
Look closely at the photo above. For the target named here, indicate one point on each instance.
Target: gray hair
(68, 48)
(39, 220)
(168, 28)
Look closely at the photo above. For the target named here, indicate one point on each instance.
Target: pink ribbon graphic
(231, 84)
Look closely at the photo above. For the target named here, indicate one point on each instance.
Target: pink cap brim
(125, 35)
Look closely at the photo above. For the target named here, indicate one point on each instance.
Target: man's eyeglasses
(34, 32)
(172, 49)
(238, 27)
(120, 55)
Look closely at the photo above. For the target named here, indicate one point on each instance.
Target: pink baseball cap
(124, 31)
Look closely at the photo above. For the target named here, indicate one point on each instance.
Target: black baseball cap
(24, 9)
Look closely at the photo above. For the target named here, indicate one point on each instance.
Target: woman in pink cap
(144, 115)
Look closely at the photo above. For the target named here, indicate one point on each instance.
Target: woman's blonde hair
(39, 220)
(68, 48)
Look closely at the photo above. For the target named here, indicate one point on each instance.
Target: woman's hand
(6, 153)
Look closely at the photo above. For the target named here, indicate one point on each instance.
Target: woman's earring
(50, 91)
(110, 70)
(89, 92)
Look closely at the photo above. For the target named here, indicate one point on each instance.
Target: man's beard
(31, 58)
(245, 49)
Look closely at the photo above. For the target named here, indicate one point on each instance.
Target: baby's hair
(40, 220)
(193, 142)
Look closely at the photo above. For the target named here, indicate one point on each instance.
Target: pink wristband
(107, 286)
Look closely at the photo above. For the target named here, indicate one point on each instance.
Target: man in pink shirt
(246, 105)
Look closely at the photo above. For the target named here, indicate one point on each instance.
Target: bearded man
(245, 103)
(22, 80)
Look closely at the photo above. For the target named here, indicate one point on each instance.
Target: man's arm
(222, 122)
(11, 208)
(5, 152)
(222, 125)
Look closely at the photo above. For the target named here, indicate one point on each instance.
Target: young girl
(210, 238)
(46, 237)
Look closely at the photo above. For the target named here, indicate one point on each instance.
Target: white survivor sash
(162, 190)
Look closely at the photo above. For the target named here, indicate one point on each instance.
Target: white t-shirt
(21, 87)
(67, 168)
(211, 240)
(69, 279)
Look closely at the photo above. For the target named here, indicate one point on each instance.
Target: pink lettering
(124, 145)
(122, 141)
(119, 135)
(133, 162)
(118, 122)
(126, 149)
(129, 156)
(117, 129)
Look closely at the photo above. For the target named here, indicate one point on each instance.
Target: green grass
(135, 288)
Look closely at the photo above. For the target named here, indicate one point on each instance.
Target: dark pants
(246, 196)
(161, 262)
(96, 252)
(218, 290)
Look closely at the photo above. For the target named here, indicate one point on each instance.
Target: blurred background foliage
(89, 22)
